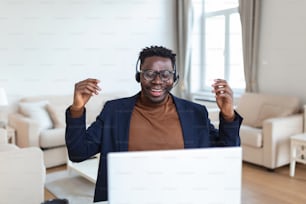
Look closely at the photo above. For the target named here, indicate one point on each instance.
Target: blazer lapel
(123, 122)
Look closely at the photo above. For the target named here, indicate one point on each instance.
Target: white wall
(48, 45)
(282, 58)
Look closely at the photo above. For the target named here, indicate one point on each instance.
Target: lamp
(3, 98)
(3, 102)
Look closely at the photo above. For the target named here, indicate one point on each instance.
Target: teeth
(156, 89)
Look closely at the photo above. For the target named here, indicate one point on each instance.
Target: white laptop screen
(190, 176)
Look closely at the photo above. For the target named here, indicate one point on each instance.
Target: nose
(157, 79)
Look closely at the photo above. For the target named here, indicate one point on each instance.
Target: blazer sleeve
(82, 143)
(227, 133)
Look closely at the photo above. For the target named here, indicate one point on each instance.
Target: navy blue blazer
(110, 133)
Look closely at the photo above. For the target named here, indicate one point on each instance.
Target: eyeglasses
(164, 75)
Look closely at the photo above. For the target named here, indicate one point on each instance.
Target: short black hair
(159, 51)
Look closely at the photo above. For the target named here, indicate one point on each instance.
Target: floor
(260, 186)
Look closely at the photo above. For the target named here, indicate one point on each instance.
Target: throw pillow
(37, 111)
(271, 111)
(57, 123)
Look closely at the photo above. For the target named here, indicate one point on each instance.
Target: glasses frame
(172, 72)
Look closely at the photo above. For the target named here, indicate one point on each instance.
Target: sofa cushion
(52, 138)
(56, 106)
(257, 107)
(38, 112)
(57, 119)
(251, 136)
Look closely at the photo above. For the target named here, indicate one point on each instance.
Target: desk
(87, 169)
(298, 151)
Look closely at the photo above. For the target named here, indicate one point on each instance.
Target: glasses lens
(149, 74)
(165, 75)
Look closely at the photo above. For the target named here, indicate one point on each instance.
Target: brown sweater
(155, 127)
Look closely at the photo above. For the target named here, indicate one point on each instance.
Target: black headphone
(137, 75)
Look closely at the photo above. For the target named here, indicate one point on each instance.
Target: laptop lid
(190, 176)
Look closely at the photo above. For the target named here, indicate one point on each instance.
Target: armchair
(22, 174)
(268, 123)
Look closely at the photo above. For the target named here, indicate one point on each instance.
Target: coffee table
(87, 169)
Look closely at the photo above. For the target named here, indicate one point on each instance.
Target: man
(153, 119)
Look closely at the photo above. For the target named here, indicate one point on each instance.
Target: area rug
(75, 188)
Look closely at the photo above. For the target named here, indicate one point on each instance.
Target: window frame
(204, 91)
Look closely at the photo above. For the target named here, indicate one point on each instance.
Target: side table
(11, 136)
(7, 134)
(297, 151)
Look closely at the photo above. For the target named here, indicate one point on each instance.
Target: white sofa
(40, 122)
(22, 175)
(268, 122)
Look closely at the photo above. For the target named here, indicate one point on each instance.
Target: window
(216, 46)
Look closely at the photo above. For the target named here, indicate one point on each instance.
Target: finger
(219, 83)
(88, 87)
(92, 88)
(92, 80)
(221, 87)
(220, 93)
(96, 86)
(219, 80)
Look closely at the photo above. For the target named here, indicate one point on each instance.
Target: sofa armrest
(22, 175)
(27, 130)
(276, 139)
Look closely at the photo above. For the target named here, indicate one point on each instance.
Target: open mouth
(156, 92)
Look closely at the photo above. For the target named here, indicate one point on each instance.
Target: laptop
(189, 176)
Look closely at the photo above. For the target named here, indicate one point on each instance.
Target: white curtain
(184, 29)
(250, 16)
